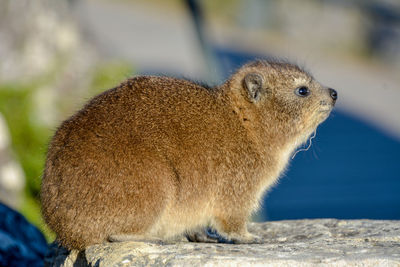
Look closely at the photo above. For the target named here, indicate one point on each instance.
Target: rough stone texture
(321, 242)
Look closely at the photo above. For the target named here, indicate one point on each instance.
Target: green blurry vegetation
(108, 75)
(28, 142)
(30, 138)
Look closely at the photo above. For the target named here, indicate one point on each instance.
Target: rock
(326, 242)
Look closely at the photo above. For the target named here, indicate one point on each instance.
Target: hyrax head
(285, 96)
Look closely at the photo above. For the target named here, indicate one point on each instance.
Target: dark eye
(302, 91)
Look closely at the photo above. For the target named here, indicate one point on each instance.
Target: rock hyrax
(159, 157)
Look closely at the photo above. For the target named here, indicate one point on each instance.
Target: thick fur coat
(158, 157)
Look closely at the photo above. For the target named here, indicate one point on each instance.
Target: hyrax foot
(247, 239)
(134, 238)
(202, 236)
(235, 230)
(211, 236)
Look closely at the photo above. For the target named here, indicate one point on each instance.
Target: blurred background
(55, 55)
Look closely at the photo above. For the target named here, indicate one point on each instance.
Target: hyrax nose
(333, 93)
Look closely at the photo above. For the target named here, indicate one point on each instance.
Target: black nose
(333, 93)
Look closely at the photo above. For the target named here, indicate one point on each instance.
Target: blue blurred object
(383, 35)
(352, 171)
(21, 243)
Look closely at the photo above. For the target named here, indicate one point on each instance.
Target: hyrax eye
(302, 91)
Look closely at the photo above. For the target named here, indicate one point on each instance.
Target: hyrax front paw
(201, 236)
(247, 239)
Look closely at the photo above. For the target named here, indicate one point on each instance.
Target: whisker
(308, 147)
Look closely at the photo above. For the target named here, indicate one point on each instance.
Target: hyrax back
(157, 157)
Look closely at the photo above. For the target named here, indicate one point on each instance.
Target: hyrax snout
(158, 157)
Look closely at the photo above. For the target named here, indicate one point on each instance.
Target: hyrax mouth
(325, 106)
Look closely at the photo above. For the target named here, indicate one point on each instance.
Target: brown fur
(159, 157)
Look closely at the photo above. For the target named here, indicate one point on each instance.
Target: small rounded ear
(253, 83)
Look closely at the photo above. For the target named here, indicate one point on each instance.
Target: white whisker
(308, 147)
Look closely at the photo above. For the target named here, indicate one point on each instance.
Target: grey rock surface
(320, 242)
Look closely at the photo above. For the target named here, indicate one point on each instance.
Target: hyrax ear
(253, 83)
